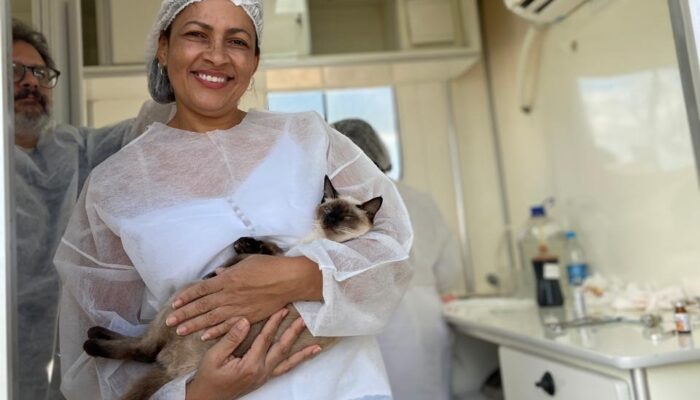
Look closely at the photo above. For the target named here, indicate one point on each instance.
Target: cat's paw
(94, 348)
(247, 245)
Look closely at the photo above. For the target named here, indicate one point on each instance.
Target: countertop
(520, 323)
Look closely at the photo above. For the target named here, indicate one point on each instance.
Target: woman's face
(210, 57)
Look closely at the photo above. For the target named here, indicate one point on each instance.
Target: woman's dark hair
(22, 32)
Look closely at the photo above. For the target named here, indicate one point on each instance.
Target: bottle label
(682, 322)
(551, 271)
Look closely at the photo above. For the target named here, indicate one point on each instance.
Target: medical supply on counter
(607, 292)
(539, 230)
(682, 318)
(577, 272)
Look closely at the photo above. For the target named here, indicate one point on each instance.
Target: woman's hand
(253, 289)
(223, 376)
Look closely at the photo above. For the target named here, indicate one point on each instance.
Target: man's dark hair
(25, 33)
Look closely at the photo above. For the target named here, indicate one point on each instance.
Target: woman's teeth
(209, 78)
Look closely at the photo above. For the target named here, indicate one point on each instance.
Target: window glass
(377, 107)
(374, 105)
(296, 102)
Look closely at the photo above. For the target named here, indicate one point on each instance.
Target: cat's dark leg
(247, 246)
(109, 344)
(98, 332)
(121, 349)
(148, 385)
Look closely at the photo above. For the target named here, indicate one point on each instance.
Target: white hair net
(158, 81)
(367, 139)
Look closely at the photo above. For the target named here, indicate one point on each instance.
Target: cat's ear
(329, 191)
(371, 207)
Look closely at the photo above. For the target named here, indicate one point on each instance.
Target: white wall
(608, 137)
(481, 188)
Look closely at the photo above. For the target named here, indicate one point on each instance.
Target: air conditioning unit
(543, 11)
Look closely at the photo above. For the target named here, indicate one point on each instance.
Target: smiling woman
(165, 211)
(209, 52)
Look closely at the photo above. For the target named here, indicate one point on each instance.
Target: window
(374, 105)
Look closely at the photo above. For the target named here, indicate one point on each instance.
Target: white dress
(165, 210)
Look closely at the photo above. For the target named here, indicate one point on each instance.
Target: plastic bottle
(682, 318)
(577, 272)
(538, 230)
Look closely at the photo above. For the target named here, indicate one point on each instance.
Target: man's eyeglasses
(47, 77)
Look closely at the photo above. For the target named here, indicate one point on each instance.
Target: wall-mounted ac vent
(543, 11)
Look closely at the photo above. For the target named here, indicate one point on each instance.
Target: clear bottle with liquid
(577, 271)
(539, 230)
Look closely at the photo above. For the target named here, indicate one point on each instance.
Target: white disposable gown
(416, 344)
(164, 211)
(47, 183)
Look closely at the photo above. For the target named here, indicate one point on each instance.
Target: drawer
(522, 372)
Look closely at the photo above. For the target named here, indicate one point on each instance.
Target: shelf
(369, 58)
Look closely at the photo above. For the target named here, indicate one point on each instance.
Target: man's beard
(32, 124)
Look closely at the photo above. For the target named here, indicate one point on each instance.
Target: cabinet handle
(546, 383)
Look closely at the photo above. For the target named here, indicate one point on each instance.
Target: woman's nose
(217, 54)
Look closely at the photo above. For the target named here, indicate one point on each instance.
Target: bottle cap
(537, 211)
(680, 303)
(570, 235)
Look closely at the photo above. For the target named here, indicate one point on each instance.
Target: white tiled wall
(608, 137)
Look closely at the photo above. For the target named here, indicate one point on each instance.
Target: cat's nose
(331, 219)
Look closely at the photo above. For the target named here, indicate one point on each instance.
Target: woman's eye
(239, 42)
(195, 34)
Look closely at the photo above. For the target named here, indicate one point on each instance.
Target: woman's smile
(211, 79)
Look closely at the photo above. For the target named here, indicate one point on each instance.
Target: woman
(164, 211)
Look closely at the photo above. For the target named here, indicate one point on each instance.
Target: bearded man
(52, 162)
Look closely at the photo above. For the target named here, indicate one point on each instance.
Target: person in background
(416, 343)
(51, 163)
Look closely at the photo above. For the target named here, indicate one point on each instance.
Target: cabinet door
(431, 21)
(528, 377)
(286, 28)
(123, 26)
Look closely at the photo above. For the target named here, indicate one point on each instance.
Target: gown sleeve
(100, 287)
(364, 278)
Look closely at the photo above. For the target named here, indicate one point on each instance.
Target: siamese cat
(337, 218)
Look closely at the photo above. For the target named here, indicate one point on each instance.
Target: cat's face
(343, 218)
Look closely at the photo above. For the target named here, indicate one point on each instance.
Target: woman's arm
(101, 287)
(253, 289)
